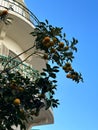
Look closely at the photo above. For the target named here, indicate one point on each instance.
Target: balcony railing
(23, 69)
(17, 7)
(16, 65)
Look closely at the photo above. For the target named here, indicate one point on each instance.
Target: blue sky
(78, 109)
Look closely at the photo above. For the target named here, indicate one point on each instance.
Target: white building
(15, 38)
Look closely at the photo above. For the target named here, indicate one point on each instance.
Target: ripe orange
(61, 44)
(69, 68)
(47, 44)
(64, 67)
(53, 50)
(51, 43)
(73, 76)
(66, 48)
(46, 39)
(54, 39)
(68, 75)
(68, 64)
(17, 101)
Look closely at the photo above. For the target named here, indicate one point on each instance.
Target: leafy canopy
(21, 97)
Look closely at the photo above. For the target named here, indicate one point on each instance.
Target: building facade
(15, 38)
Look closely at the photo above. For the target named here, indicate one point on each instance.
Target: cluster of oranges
(17, 100)
(14, 86)
(67, 67)
(47, 42)
(71, 76)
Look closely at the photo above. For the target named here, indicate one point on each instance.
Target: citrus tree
(21, 97)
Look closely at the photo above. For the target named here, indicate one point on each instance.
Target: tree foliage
(22, 97)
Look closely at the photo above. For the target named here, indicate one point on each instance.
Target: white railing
(19, 8)
(15, 65)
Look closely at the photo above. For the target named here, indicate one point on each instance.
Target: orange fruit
(68, 64)
(64, 67)
(68, 75)
(51, 43)
(69, 68)
(46, 39)
(47, 45)
(66, 48)
(53, 50)
(54, 39)
(61, 44)
(73, 76)
(17, 101)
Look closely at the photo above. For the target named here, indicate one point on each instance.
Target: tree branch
(18, 56)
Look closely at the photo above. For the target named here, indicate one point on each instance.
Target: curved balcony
(20, 9)
(45, 116)
(16, 65)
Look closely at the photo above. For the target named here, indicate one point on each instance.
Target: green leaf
(42, 23)
(56, 57)
(48, 104)
(46, 21)
(74, 48)
(55, 81)
(55, 67)
(48, 66)
(44, 69)
(52, 75)
(55, 70)
(64, 34)
(43, 74)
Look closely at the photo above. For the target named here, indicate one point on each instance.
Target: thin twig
(21, 61)
(18, 56)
